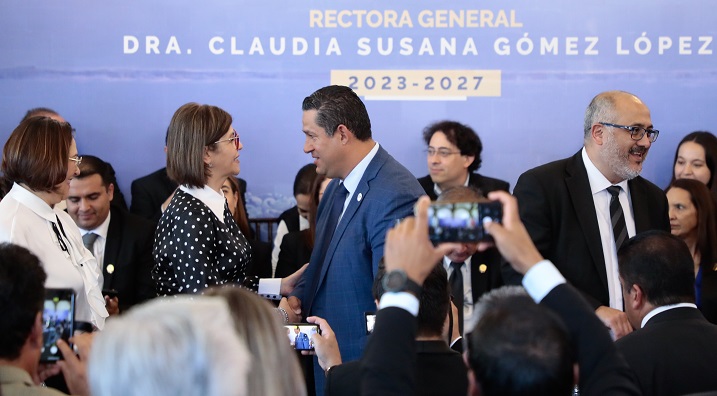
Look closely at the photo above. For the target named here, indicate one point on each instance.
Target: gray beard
(612, 155)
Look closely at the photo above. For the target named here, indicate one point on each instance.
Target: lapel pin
(482, 268)
(110, 268)
(358, 198)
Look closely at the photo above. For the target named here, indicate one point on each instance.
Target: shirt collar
(598, 181)
(352, 180)
(101, 230)
(214, 200)
(664, 308)
(32, 201)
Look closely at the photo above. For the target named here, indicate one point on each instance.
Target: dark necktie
(334, 213)
(456, 283)
(89, 240)
(617, 217)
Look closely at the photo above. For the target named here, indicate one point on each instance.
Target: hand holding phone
(462, 221)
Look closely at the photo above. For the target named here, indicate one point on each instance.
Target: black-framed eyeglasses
(77, 160)
(636, 132)
(442, 152)
(235, 138)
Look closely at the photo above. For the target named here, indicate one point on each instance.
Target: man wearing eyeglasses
(454, 154)
(580, 210)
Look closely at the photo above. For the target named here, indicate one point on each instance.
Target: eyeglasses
(636, 132)
(235, 138)
(443, 153)
(77, 159)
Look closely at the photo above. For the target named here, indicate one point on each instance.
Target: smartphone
(112, 293)
(58, 321)
(462, 221)
(299, 335)
(370, 321)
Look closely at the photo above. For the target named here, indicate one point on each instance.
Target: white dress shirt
(26, 220)
(601, 200)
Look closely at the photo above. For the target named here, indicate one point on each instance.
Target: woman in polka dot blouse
(198, 244)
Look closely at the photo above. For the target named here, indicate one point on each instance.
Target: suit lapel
(361, 190)
(578, 186)
(112, 247)
(640, 212)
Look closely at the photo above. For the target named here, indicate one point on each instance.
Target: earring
(211, 165)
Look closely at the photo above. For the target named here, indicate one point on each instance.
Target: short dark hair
(92, 165)
(708, 141)
(194, 127)
(704, 203)
(338, 105)
(22, 288)
(521, 348)
(304, 179)
(661, 264)
(462, 136)
(39, 111)
(37, 153)
(434, 302)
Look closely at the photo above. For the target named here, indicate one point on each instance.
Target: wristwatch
(397, 281)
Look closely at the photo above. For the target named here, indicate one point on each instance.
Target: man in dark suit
(674, 350)
(386, 363)
(480, 271)
(120, 241)
(453, 157)
(566, 205)
(369, 193)
(439, 369)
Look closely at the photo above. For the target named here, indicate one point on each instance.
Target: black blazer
(388, 360)
(129, 249)
(491, 278)
(294, 253)
(709, 295)
(440, 371)
(483, 183)
(674, 354)
(556, 206)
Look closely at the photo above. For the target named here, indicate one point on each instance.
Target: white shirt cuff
(541, 279)
(270, 288)
(403, 300)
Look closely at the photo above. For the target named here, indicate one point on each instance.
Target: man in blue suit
(374, 190)
(301, 340)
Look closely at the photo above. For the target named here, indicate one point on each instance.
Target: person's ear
(111, 191)
(597, 134)
(468, 160)
(345, 135)
(635, 297)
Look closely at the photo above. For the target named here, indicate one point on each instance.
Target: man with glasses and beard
(580, 210)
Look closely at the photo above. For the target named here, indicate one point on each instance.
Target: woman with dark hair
(260, 265)
(198, 243)
(296, 246)
(696, 158)
(692, 219)
(40, 158)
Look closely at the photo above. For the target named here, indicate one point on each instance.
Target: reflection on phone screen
(57, 321)
(299, 335)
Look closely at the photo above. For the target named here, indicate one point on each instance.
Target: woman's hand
(288, 283)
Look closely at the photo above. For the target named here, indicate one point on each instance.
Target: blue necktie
(334, 213)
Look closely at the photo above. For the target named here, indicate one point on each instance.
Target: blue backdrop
(118, 70)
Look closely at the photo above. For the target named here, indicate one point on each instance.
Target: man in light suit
(378, 191)
(123, 241)
(565, 205)
(454, 155)
(674, 350)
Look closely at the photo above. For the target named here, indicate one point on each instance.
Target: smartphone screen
(462, 221)
(299, 335)
(58, 321)
(370, 321)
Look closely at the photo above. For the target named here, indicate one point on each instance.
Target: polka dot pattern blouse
(194, 250)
